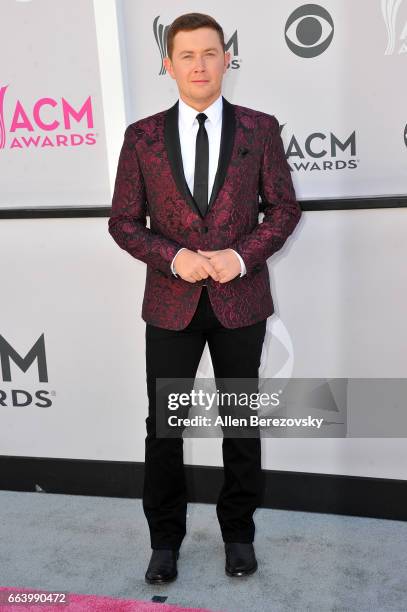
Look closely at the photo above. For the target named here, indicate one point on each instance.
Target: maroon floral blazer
(150, 181)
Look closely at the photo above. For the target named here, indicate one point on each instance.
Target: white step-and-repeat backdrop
(72, 375)
(332, 73)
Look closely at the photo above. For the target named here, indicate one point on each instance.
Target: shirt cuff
(242, 264)
(172, 263)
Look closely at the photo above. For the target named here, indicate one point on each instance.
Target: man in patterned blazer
(197, 169)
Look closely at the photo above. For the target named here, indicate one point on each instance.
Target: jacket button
(257, 267)
(205, 229)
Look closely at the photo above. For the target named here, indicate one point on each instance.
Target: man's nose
(199, 64)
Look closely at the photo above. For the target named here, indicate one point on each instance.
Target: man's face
(198, 65)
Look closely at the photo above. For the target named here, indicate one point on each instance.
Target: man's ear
(168, 66)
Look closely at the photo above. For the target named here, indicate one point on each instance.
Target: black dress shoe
(240, 559)
(163, 566)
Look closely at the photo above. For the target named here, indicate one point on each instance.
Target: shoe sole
(161, 580)
(242, 573)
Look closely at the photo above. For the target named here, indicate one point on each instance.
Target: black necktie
(201, 165)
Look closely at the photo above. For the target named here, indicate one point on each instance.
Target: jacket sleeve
(127, 222)
(281, 209)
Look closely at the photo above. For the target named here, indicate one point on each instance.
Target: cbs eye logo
(309, 30)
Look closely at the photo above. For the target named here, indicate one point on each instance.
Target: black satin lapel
(226, 147)
(173, 146)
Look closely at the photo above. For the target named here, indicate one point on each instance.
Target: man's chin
(202, 94)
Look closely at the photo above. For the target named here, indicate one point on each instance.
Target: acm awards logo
(35, 356)
(160, 35)
(309, 30)
(390, 9)
(321, 151)
(47, 122)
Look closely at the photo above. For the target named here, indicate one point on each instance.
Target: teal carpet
(307, 562)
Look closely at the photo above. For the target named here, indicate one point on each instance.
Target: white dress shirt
(188, 128)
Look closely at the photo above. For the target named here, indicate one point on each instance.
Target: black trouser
(235, 353)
